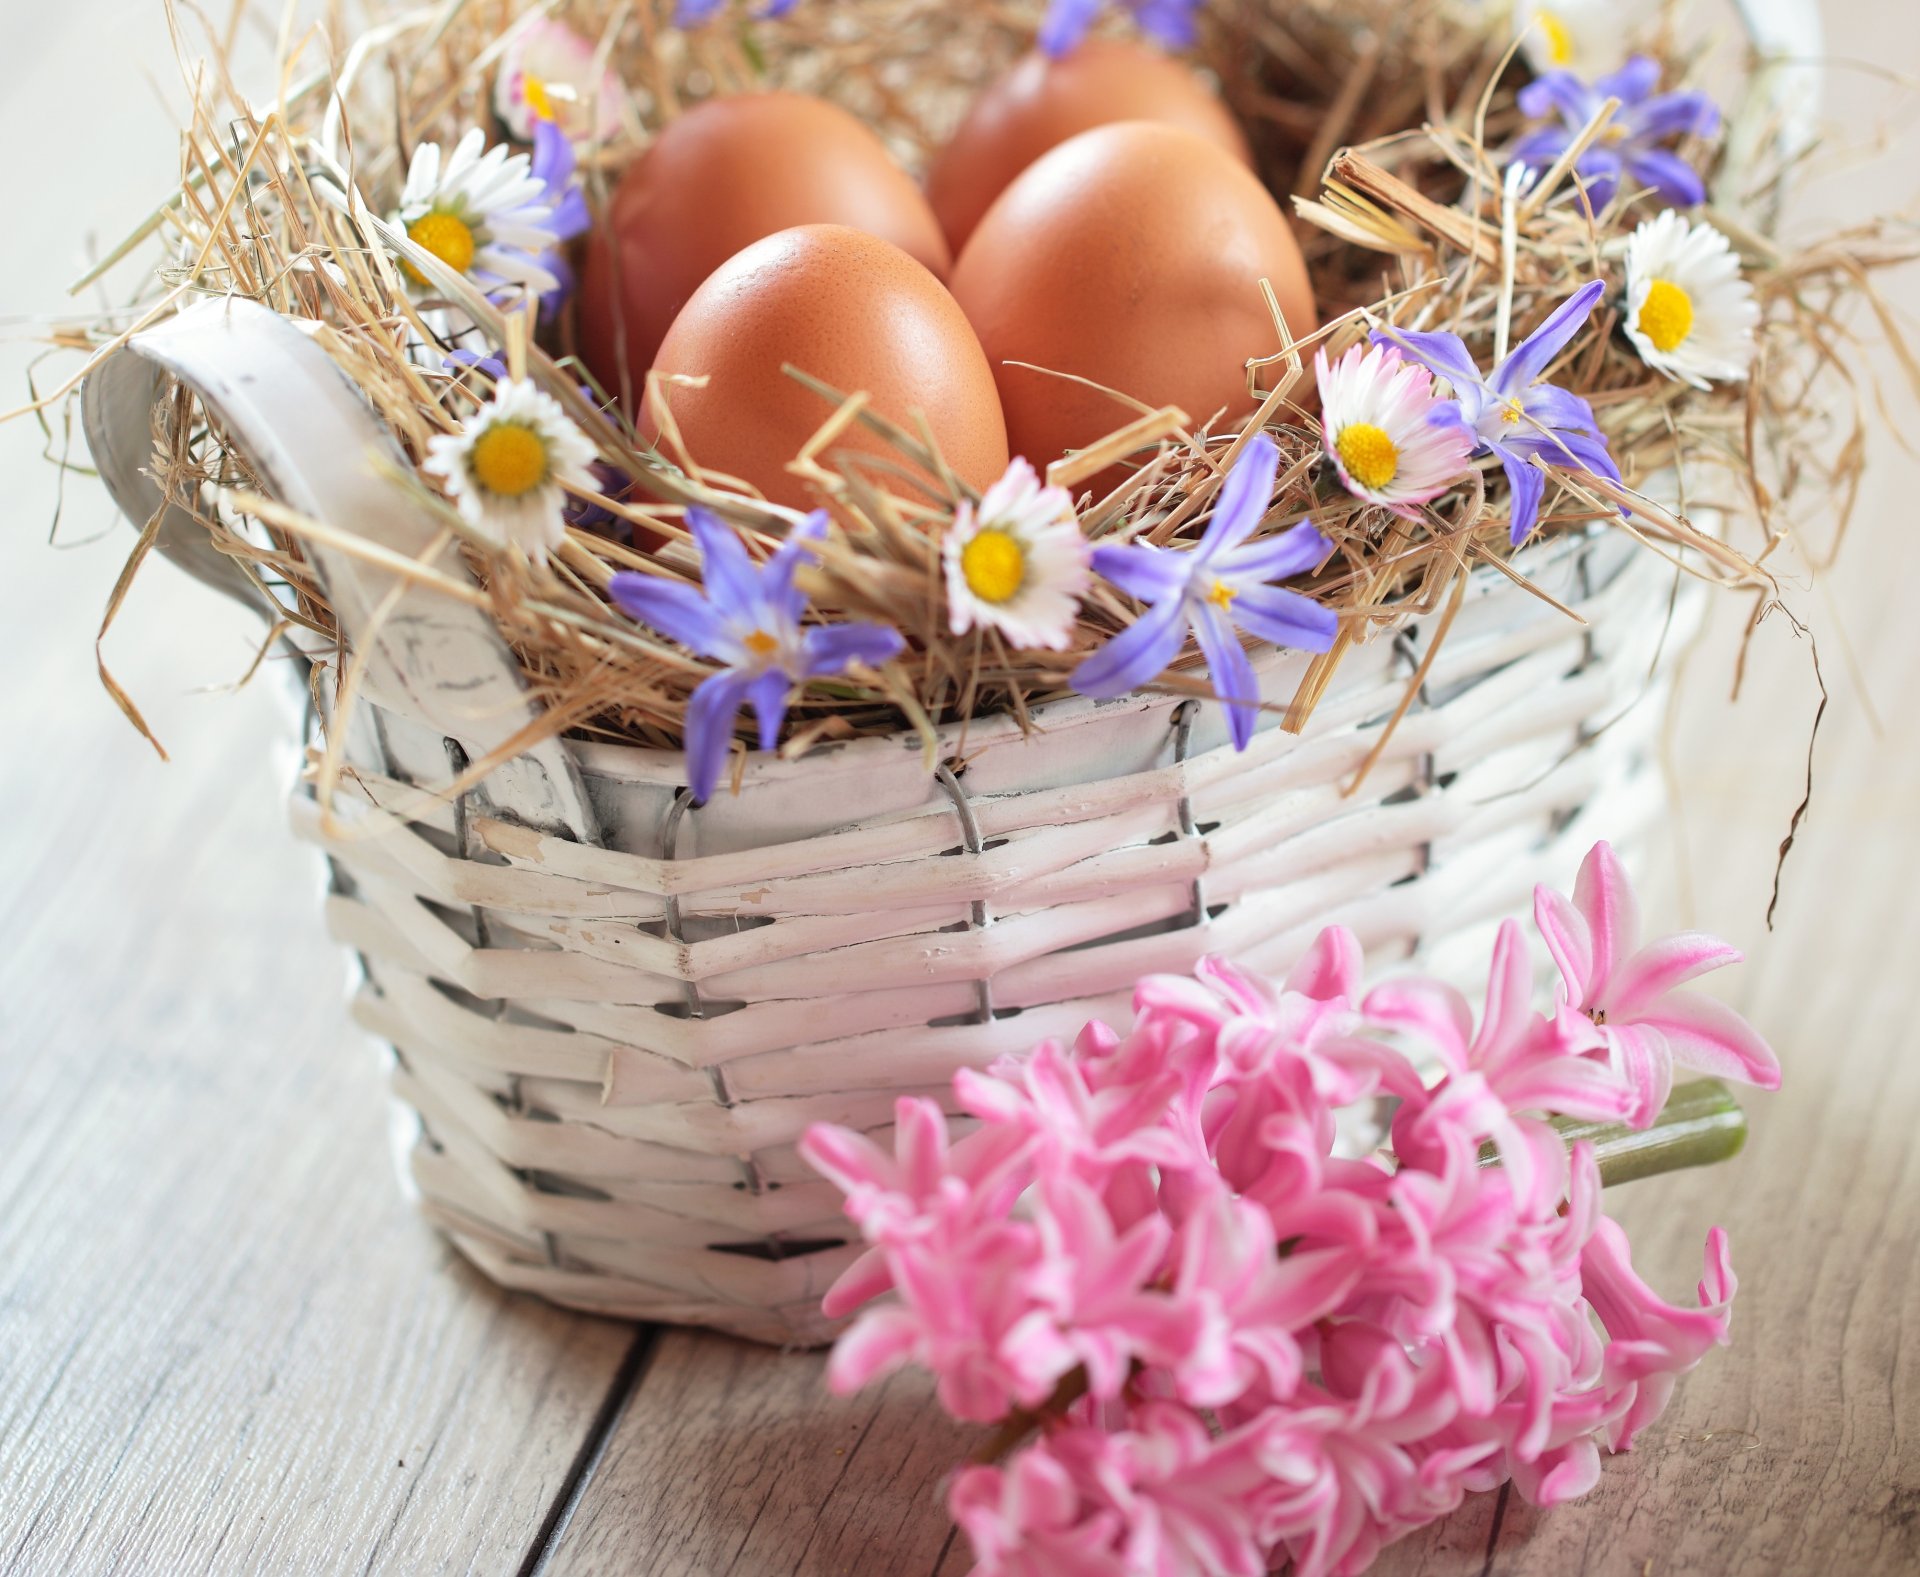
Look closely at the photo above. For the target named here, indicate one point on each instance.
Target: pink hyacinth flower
(1028, 1520)
(1631, 993)
(1095, 1286)
(1516, 1061)
(893, 1195)
(1074, 1122)
(1248, 1302)
(1651, 1342)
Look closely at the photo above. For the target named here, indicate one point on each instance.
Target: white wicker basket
(614, 1015)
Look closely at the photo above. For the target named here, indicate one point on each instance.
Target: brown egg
(1130, 256)
(719, 178)
(1042, 102)
(853, 311)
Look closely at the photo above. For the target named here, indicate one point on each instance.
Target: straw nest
(1382, 119)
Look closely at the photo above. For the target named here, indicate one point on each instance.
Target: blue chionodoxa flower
(1219, 586)
(689, 14)
(1630, 143)
(1513, 415)
(553, 164)
(746, 617)
(1167, 22)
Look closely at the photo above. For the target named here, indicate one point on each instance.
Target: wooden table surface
(226, 1345)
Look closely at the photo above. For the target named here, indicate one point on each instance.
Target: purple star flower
(553, 164)
(689, 14)
(1629, 145)
(1511, 413)
(1218, 585)
(589, 512)
(494, 367)
(1169, 22)
(747, 619)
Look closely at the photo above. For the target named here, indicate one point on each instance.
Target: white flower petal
(1055, 560)
(1376, 388)
(588, 106)
(532, 521)
(494, 193)
(1586, 37)
(1697, 260)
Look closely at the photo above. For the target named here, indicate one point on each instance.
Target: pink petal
(920, 1142)
(1568, 1087)
(1583, 1197)
(1519, 1160)
(846, 1159)
(876, 1344)
(1247, 993)
(1708, 1035)
(1641, 1058)
(1179, 996)
(1331, 969)
(1649, 1333)
(1427, 1008)
(1535, 1159)
(1567, 938)
(1717, 1287)
(1277, 1356)
(1664, 966)
(1561, 1475)
(1096, 1039)
(1315, 1281)
(865, 1279)
(1604, 896)
(991, 1100)
(1509, 1001)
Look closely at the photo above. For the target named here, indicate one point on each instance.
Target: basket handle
(312, 440)
(116, 410)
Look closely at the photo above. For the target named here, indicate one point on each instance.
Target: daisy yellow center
(509, 460)
(761, 644)
(1368, 454)
(1559, 39)
(1221, 595)
(447, 236)
(1666, 316)
(994, 565)
(539, 101)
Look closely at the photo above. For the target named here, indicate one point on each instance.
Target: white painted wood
(318, 448)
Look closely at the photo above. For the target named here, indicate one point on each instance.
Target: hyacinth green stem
(1700, 1124)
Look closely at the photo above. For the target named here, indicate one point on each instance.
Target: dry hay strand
(1384, 120)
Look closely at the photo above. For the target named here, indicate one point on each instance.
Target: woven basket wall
(612, 1051)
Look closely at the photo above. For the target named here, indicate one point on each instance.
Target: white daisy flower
(505, 470)
(547, 74)
(1018, 563)
(1586, 37)
(1384, 429)
(484, 213)
(1689, 313)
